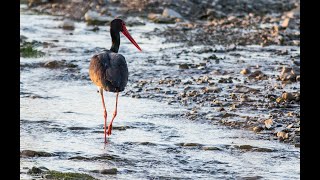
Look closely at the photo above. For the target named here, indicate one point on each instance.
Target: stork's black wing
(117, 72)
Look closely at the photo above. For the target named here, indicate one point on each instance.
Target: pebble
(34, 170)
(268, 123)
(109, 171)
(282, 135)
(183, 66)
(245, 71)
(287, 96)
(257, 129)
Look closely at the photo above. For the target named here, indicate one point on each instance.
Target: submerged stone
(31, 153)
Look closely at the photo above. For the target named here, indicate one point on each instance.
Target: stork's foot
(109, 129)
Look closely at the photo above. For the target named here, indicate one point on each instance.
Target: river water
(61, 113)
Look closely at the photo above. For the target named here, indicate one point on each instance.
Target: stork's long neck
(115, 36)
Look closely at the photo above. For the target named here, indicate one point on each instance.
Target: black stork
(109, 71)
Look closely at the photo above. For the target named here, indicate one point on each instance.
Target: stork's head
(118, 25)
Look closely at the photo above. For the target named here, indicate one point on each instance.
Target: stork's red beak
(126, 33)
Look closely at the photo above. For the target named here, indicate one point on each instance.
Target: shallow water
(61, 113)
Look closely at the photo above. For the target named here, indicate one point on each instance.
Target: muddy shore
(258, 86)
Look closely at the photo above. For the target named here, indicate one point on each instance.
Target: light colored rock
(167, 12)
(285, 22)
(268, 123)
(283, 135)
(94, 18)
(158, 18)
(279, 100)
(287, 96)
(289, 126)
(134, 21)
(67, 24)
(245, 71)
(257, 129)
(153, 16)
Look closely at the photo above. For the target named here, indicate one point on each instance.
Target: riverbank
(242, 63)
(199, 88)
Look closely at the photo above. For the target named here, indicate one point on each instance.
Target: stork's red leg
(104, 115)
(114, 115)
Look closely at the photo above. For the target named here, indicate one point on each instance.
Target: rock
(67, 24)
(282, 135)
(225, 80)
(297, 96)
(257, 129)
(268, 123)
(158, 18)
(234, 106)
(289, 126)
(285, 23)
(67, 175)
(245, 89)
(183, 66)
(226, 115)
(245, 71)
(34, 170)
(94, 18)
(233, 96)
(215, 89)
(244, 147)
(55, 5)
(285, 70)
(78, 158)
(211, 148)
(212, 57)
(30, 153)
(189, 144)
(263, 150)
(210, 116)
(244, 98)
(167, 12)
(78, 128)
(134, 21)
(147, 143)
(258, 75)
(287, 96)
(109, 171)
(53, 64)
(153, 16)
(23, 38)
(250, 178)
(297, 145)
(289, 74)
(279, 100)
